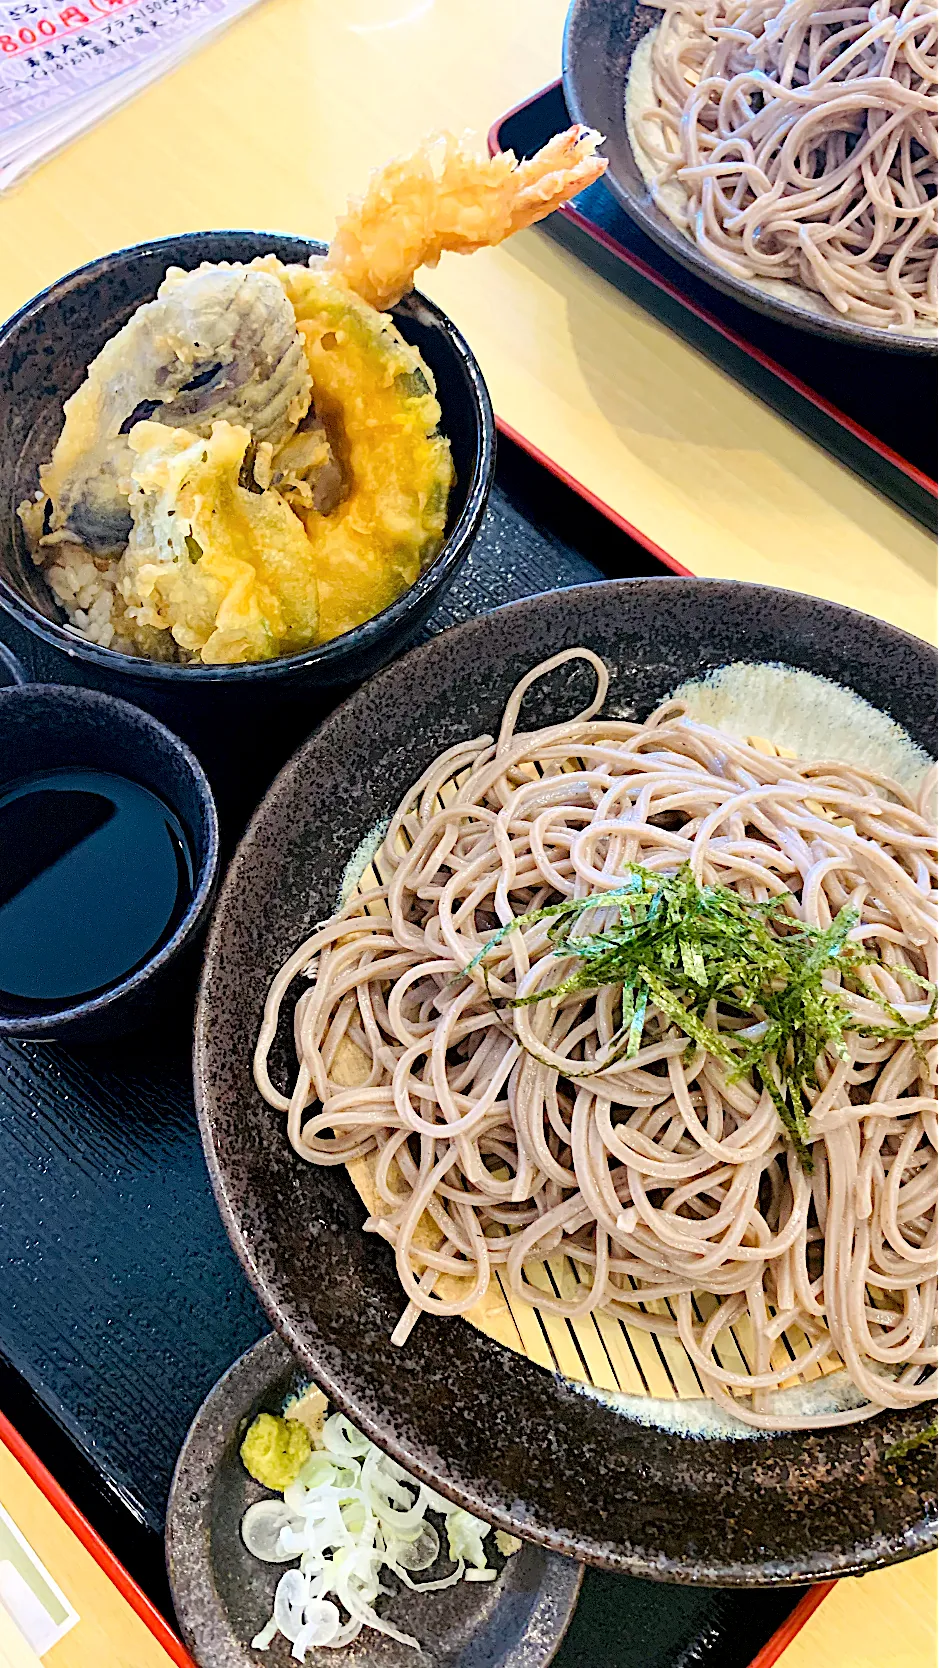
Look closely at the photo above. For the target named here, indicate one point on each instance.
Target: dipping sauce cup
(108, 861)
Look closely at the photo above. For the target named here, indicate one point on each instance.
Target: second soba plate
(603, 48)
(597, 1444)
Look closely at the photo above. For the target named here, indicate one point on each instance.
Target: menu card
(64, 65)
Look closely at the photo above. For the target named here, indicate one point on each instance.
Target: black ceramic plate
(503, 1436)
(223, 1596)
(599, 41)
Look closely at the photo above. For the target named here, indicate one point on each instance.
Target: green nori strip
(685, 946)
(922, 1439)
(412, 385)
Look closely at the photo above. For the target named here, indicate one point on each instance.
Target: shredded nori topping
(681, 947)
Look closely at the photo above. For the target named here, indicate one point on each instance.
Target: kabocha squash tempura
(254, 463)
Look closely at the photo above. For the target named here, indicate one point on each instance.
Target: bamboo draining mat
(599, 1349)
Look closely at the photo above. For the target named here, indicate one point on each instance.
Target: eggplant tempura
(302, 483)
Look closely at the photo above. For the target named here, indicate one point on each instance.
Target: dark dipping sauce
(95, 875)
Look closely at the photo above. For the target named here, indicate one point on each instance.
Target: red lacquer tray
(874, 411)
(784, 1635)
(93, 1623)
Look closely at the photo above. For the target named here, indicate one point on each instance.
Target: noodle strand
(499, 1135)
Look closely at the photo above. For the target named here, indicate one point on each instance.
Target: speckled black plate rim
(592, 30)
(327, 654)
(200, 1611)
(808, 1566)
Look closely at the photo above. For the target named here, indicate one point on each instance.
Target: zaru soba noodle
(642, 996)
(797, 142)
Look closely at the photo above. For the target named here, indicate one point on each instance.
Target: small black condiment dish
(48, 727)
(222, 1595)
(45, 350)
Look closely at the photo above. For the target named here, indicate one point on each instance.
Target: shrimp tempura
(444, 196)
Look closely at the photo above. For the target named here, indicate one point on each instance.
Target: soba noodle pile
(802, 139)
(499, 1134)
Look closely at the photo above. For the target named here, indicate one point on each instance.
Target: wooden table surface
(884, 1620)
(271, 127)
(109, 1633)
(277, 121)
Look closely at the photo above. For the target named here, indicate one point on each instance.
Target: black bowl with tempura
(45, 352)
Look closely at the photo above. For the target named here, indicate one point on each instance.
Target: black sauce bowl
(51, 727)
(45, 350)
